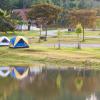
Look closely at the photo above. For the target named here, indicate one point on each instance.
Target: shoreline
(70, 57)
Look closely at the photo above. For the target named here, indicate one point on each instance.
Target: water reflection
(35, 83)
(4, 71)
(92, 97)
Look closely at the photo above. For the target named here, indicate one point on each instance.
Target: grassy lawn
(20, 33)
(87, 33)
(37, 53)
(65, 56)
(68, 38)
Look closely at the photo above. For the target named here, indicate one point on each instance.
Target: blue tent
(19, 42)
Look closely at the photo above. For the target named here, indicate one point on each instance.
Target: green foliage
(5, 22)
(46, 12)
(79, 83)
(87, 18)
(58, 81)
(79, 29)
(1, 12)
(5, 25)
(59, 33)
(69, 4)
(84, 4)
(98, 23)
(64, 4)
(5, 4)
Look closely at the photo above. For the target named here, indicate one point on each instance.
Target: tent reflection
(50, 84)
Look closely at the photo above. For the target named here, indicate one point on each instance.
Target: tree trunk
(79, 44)
(40, 33)
(59, 46)
(21, 27)
(46, 32)
(83, 34)
(29, 26)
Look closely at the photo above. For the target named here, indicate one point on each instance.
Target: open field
(20, 33)
(45, 54)
(87, 33)
(65, 56)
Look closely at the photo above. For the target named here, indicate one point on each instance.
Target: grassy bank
(65, 56)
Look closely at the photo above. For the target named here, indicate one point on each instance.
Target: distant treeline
(66, 4)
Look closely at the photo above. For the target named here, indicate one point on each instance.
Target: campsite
(49, 49)
(48, 52)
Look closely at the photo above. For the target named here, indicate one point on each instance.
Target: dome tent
(19, 42)
(4, 41)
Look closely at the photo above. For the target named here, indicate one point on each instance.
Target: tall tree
(79, 30)
(46, 13)
(5, 4)
(59, 35)
(69, 4)
(84, 4)
(87, 18)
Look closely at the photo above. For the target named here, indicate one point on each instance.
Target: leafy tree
(21, 3)
(69, 4)
(79, 30)
(46, 13)
(87, 18)
(5, 4)
(5, 22)
(84, 4)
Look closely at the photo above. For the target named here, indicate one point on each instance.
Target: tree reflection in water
(52, 84)
(92, 97)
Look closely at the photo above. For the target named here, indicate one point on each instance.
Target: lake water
(36, 83)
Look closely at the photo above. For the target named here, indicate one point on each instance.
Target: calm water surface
(18, 83)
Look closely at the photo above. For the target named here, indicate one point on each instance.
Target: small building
(22, 13)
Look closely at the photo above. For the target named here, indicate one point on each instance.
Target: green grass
(68, 38)
(65, 56)
(38, 54)
(87, 33)
(20, 33)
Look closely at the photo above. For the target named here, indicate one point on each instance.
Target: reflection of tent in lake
(4, 41)
(20, 72)
(5, 71)
(57, 85)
